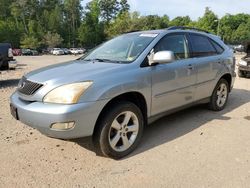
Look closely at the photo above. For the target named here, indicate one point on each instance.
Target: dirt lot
(192, 148)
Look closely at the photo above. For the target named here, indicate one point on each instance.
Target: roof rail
(131, 31)
(186, 28)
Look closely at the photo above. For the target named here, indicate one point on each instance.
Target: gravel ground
(192, 148)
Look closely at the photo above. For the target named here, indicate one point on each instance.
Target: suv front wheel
(119, 130)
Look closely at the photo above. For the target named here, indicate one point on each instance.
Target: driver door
(173, 84)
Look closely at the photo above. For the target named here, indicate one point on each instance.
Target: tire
(219, 97)
(5, 65)
(115, 137)
(241, 74)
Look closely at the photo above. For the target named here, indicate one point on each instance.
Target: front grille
(28, 87)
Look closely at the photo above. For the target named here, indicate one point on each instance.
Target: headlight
(67, 94)
(244, 63)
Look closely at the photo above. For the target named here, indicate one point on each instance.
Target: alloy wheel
(222, 94)
(123, 131)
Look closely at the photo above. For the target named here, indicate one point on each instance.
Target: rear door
(207, 63)
(173, 83)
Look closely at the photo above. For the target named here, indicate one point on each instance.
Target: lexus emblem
(21, 86)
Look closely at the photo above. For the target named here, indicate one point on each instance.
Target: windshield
(122, 49)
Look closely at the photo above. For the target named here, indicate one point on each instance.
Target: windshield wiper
(102, 60)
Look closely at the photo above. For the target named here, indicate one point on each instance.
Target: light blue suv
(114, 91)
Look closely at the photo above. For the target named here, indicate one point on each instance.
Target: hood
(72, 72)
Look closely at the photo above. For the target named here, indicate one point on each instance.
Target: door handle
(190, 67)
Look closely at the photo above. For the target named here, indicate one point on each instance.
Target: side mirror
(163, 57)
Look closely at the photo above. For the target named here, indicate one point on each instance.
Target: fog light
(63, 126)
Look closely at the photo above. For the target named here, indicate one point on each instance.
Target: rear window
(218, 48)
(201, 46)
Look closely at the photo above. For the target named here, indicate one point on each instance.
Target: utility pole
(218, 26)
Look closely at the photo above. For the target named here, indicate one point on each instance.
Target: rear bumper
(41, 116)
(12, 64)
(233, 80)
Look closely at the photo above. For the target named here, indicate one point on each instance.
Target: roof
(176, 29)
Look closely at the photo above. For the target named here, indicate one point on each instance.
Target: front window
(122, 49)
(175, 43)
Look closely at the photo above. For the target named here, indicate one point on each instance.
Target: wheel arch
(135, 97)
(228, 78)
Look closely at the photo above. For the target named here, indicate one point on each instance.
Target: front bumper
(244, 68)
(41, 115)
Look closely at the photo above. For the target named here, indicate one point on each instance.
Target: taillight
(10, 52)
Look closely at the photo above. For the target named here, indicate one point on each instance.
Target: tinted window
(201, 46)
(175, 43)
(218, 48)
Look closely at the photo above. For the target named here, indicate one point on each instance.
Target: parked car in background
(57, 51)
(6, 57)
(34, 52)
(73, 51)
(29, 52)
(244, 63)
(45, 51)
(239, 48)
(76, 51)
(134, 79)
(17, 52)
(81, 50)
(26, 52)
(66, 51)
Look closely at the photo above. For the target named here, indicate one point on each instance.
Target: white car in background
(77, 51)
(57, 51)
(73, 51)
(81, 50)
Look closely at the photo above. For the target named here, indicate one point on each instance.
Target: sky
(192, 8)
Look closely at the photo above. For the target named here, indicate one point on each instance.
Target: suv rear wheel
(219, 97)
(119, 130)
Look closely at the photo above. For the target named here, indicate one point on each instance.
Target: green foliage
(52, 40)
(209, 21)
(30, 42)
(91, 31)
(10, 33)
(181, 21)
(233, 28)
(109, 9)
(242, 33)
(52, 23)
(124, 6)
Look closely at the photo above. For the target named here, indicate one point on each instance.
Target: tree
(73, 18)
(230, 23)
(121, 24)
(10, 33)
(91, 31)
(242, 34)
(124, 6)
(52, 40)
(209, 21)
(30, 42)
(181, 21)
(109, 9)
(66, 22)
